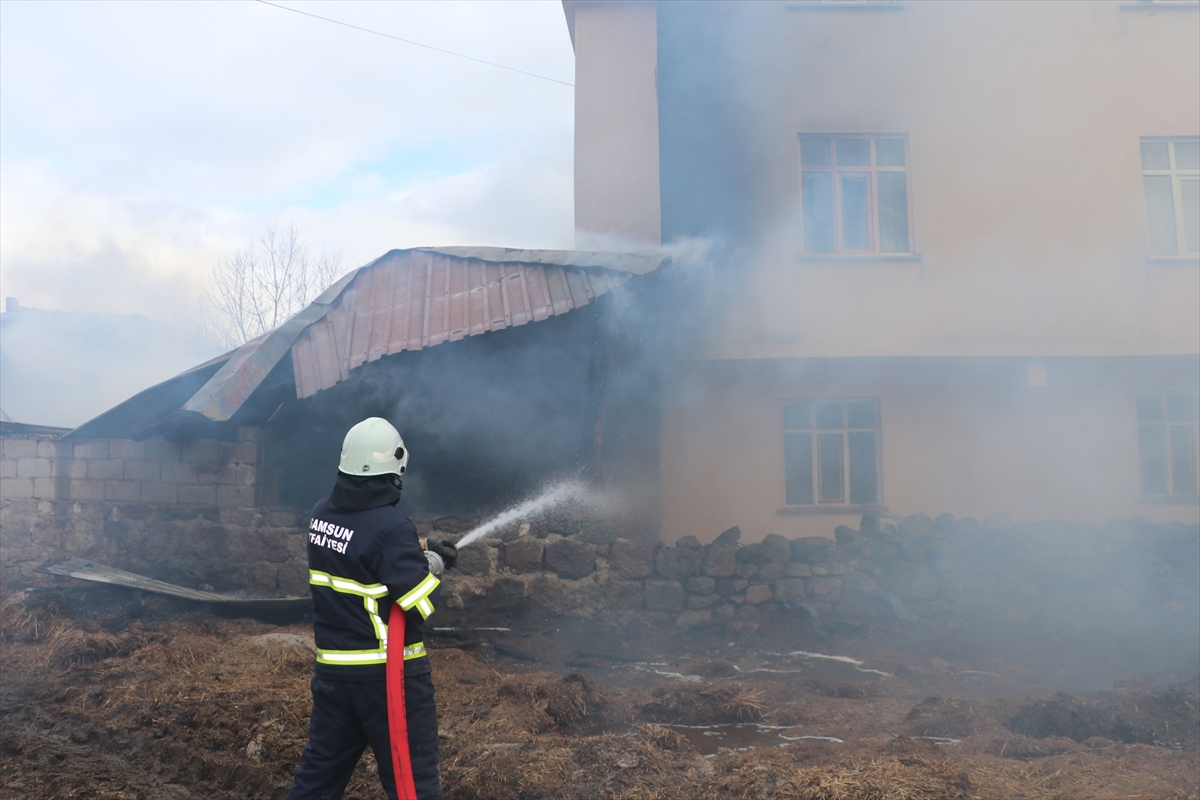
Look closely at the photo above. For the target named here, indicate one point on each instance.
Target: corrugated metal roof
(412, 299)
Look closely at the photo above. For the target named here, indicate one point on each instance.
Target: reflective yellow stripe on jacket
(417, 598)
(361, 657)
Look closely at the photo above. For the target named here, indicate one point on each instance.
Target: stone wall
(228, 549)
(204, 472)
(949, 573)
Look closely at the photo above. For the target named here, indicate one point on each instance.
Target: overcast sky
(142, 141)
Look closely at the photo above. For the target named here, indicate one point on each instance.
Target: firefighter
(371, 577)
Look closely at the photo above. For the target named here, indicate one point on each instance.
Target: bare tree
(256, 289)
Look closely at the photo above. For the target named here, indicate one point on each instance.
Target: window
(1171, 175)
(1167, 445)
(831, 452)
(854, 192)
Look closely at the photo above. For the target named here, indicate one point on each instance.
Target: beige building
(955, 251)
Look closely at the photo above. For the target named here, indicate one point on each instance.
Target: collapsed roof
(405, 300)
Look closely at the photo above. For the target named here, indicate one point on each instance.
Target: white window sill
(858, 257)
(1183, 260)
(788, 511)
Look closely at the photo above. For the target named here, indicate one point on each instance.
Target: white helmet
(373, 447)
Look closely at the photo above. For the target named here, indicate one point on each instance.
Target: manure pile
(108, 705)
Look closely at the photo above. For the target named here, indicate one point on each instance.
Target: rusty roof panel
(362, 317)
(412, 299)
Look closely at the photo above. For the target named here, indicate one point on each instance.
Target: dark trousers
(346, 717)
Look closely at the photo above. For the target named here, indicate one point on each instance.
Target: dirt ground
(104, 696)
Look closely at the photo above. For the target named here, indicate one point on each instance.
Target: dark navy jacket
(359, 563)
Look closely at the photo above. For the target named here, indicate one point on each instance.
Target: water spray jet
(553, 496)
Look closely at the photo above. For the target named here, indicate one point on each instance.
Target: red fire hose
(397, 717)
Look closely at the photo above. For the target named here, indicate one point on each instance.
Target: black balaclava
(361, 492)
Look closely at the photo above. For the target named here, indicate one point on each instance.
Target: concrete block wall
(27, 467)
(204, 472)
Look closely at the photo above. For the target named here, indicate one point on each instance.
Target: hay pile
(902, 769)
(700, 704)
(107, 706)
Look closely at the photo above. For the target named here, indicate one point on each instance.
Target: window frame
(845, 505)
(1165, 424)
(1177, 177)
(871, 172)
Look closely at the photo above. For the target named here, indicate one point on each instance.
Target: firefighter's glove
(446, 549)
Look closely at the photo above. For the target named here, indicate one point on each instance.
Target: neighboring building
(957, 252)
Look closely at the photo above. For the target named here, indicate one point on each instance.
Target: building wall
(1024, 123)
(616, 125)
(966, 436)
(202, 472)
(1030, 241)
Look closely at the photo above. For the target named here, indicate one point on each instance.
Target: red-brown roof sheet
(413, 299)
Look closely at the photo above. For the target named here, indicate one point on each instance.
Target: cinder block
(241, 453)
(235, 496)
(47, 448)
(20, 448)
(177, 472)
(15, 488)
(125, 448)
(201, 450)
(161, 450)
(34, 468)
(70, 468)
(106, 469)
(247, 475)
(46, 488)
(268, 494)
(160, 493)
(95, 448)
(122, 490)
(198, 495)
(85, 490)
(225, 474)
(8, 468)
(142, 470)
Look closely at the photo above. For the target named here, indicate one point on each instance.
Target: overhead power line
(417, 44)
